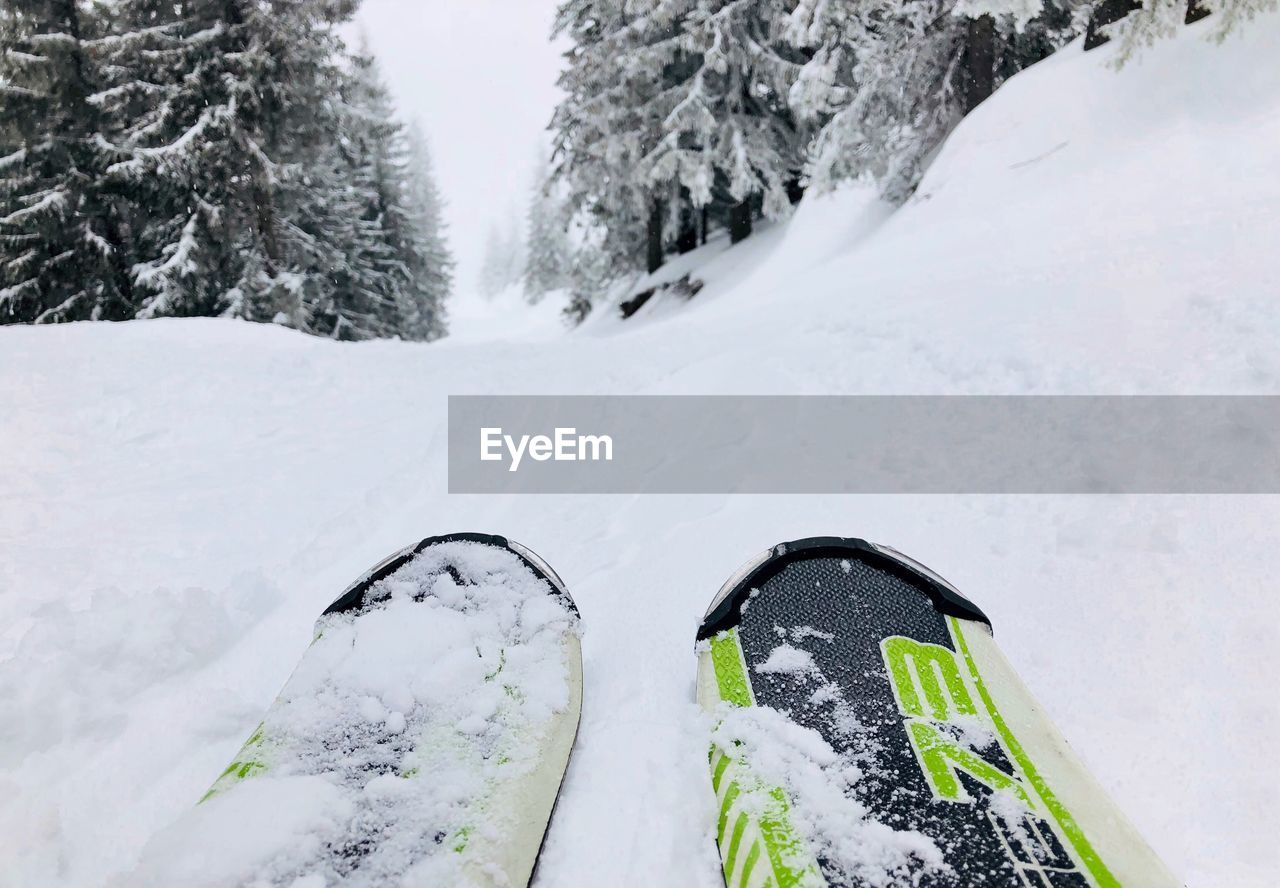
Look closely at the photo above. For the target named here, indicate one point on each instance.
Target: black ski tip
(353, 597)
(726, 609)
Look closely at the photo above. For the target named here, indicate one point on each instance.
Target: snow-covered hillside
(1085, 230)
(180, 499)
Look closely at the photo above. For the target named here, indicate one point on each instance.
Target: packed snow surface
(179, 500)
(386, 754)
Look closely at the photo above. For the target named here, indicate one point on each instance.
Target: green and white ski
(421, 740)
(869, 732)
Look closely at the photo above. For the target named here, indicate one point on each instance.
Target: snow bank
(1085, 230)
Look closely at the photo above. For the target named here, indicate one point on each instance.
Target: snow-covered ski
(869, 732)
(421, 740)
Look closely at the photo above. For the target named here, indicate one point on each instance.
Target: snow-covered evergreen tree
(382, 267)
(432, 262)
(725, 122)
(502, 264)
(888, 79)
(673, 108)
(363, 293)
(601, 129)
(237, 121)
(588, 278)
(882, 71)
(547, 251)
(63, 253)
(397, 273)
(209, 157)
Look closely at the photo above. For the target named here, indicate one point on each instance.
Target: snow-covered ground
(506, 315)
(180, 499)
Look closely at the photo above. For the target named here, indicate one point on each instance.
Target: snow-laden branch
(179, 263)
(97, 242)
(124, 90)
(15, 159)
(53, 38)
(59, 311)
(119, 41)
(136, 165)
(27, 58)
(54, 200)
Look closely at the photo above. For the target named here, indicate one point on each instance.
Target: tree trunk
(1105, 13)
(980, 61)
(740, 221)
(653, 236)
(702, 225)
(795, 191)
(264, 204)
(687, 240)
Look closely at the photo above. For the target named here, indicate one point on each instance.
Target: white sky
(479, 76)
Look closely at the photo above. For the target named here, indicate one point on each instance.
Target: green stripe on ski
(752, 856)
(764, 827)
(731, 669)
(720, 762)
(735, 842)
(1071, 831)
(782, 844)
(248, 762)
(730, 796)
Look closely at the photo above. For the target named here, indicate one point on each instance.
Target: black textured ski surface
(854, 598)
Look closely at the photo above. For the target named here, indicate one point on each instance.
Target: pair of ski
(865, 731)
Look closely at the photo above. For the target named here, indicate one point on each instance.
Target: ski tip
(726, 608)
(353, 596)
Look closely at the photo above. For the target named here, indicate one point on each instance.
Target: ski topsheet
(869, 732)
(421, 740)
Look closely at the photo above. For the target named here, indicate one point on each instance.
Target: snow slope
(180, 499)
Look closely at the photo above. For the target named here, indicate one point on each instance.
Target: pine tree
(726, 126)
(374, 298)
(547, 251)
(209, 157)
(889, 79)
(502, 264)
(395, 270)
(336, 283)
(63, 252)
(882, 73)
(675, 113)
(601, 133)
(235, 124)
(589, 276)
(433, 263)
